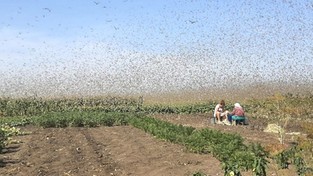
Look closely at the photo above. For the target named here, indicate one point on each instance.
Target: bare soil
(120, 151)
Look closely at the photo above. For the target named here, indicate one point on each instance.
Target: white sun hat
(237, 105)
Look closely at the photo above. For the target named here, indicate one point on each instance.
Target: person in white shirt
(220, 113)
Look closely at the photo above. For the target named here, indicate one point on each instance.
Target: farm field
(127, 150)
(120, 150)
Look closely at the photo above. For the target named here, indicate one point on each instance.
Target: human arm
(216, 109)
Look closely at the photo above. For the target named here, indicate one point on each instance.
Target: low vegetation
(236, 157)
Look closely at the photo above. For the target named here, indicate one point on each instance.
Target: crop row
(71, 119)
(277, 106)
(234, 155)
(36, 106)
(30, 107)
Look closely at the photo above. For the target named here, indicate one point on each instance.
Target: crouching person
(221, 114)
(237, 115)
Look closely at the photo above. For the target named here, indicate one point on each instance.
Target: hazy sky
(137, 46)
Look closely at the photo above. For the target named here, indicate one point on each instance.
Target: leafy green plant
(199, 173)
(300, 165)
(240, 160)
(3, 138)
(260, 160)
(6, 134)
(282, 160)
(298, 161)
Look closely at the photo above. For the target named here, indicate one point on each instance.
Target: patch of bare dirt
(100, 151)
